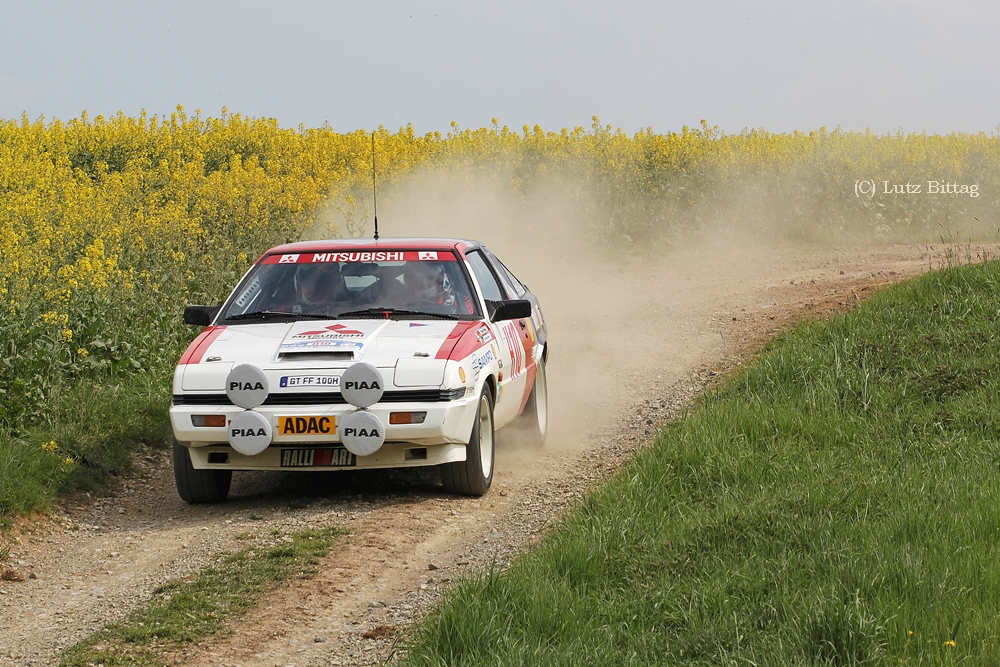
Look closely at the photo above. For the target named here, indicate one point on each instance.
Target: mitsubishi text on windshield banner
(372, 256)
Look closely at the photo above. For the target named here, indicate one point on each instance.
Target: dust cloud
(622, 322)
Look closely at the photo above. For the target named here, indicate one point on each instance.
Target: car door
(518, 290)
(515, 341)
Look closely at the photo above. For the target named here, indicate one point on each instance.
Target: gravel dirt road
(633, 341)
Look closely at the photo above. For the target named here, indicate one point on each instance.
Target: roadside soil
(633, 342)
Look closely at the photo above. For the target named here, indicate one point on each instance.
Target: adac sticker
(314, 425)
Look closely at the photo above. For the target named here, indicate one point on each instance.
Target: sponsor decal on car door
(516, 359)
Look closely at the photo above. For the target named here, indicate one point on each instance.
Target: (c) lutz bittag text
(870, 188)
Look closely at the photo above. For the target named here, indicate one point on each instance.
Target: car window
(329, 284)
(513, 285)
(487, 281)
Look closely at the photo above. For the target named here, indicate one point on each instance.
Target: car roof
(354, 245)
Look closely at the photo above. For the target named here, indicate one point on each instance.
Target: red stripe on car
(199, 346)
(450, 347)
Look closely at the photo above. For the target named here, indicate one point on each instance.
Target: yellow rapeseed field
(109, 225)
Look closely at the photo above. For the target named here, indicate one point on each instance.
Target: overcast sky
(782, 66)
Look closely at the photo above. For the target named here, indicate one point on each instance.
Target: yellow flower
(82, 351)
(949, 643)
(68, 461)
(53, 317)
(179, 210)
(50, 446)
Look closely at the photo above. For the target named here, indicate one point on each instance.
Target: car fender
(477, 370)
(178, 379)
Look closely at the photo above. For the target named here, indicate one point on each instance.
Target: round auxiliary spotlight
(362, 433)
(246, 386)
(249, 433)
(362, 384)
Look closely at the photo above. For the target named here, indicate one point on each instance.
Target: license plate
(307, 458)
(328, 381)
(307, 425)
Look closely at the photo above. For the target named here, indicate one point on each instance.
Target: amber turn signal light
(208, 420)
(407, 417)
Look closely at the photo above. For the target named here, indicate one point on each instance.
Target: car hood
(327, 344)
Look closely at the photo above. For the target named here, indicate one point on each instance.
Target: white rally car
(360, 354)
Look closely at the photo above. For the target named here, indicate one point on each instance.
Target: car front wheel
(198, 486)
(474, 475)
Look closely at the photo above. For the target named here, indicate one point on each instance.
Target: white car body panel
(456, 359)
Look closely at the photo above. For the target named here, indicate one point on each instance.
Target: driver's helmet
(318, 284)
(425, 280)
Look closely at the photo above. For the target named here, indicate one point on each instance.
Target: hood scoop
(306, 341)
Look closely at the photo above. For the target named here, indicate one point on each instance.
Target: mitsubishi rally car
(360, 354)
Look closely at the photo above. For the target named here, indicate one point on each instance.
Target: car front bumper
(390, 455)
(440, 438)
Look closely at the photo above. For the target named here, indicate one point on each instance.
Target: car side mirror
(508, 309)
(200, 315)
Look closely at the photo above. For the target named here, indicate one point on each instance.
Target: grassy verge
(87, 437)
(838, 503)
(181, 613)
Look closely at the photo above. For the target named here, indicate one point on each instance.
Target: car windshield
(399, 284)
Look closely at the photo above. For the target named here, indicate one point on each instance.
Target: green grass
(184, 612)
(837, 503)
(96, 428)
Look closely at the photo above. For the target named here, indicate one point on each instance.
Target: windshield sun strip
(244, 293)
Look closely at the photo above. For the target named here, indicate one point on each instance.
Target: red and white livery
(360, 354)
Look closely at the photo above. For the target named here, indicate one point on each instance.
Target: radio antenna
(374, 196)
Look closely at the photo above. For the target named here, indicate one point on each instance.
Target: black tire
(533, 423)
(474, 475)
(199, 486)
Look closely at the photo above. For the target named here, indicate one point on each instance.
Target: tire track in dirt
(633, 342)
